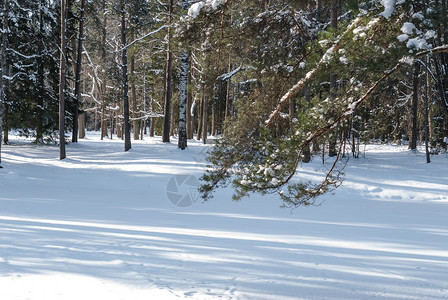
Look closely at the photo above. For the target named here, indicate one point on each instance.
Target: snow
(408, 28)
(195, 9)
(418, 15)
(418, 43)
(403, 37)
(430, 34)
(344, 60)
(389, 8)
(101, 225)
(407, 60)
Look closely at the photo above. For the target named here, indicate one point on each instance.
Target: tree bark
(62, 153)
(427, 82)
(204, 120)
(3, 68)
(102, 86)
(333, 81)
(40, 79)
(82, 128)
(182, 141)
(135, 122)
(168, 91)
(127, 129)
(229, 83)
(190, 117)
(78, 74)
(414, 108)
(200, 118)
(172, 117)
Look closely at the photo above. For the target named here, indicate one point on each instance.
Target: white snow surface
(99, 225)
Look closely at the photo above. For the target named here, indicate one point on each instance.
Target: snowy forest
(269, 76)
(282, 101)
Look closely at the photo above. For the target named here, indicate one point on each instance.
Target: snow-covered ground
(102, 225)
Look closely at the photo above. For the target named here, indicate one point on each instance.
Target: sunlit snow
(99, 225)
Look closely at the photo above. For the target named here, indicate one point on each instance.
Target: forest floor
(105, 224)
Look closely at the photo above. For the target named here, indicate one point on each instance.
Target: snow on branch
(328, 181)
(389, 8)
(226, 76)
(23, 55)
(439, 49)
(299, 85)
(142, 38)
(195, 10)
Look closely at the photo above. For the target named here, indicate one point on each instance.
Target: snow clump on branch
(389, 8)
(195, 9)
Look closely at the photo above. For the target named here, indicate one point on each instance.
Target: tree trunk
(62, 153)
(82, 128)
(200, 119)
(103, 118)
(102, 86)
(213, 121)
(333, 80)
(40, 79)
(2, 69)
(182, 141)
(229, 83)
(190, 117)
(151, 127)
(204, 120)
(112, 124)
(427, 83)
(127, 129)
(414, 108)
(307, 151)
(168, 91)
(172, 117)
(151, 120)
(77, 95)
(142, 127)
(135, 122)
(333, 136)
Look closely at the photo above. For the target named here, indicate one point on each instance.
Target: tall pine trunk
(168, 91)
(427, 83)
(414, 107)
(204, 119)
(40, 79)
(62, 153)
(135, 123)
(2, 70)
(190, 117)
(77, 97)
(124, 57)
(103, 85)
(333, 79)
